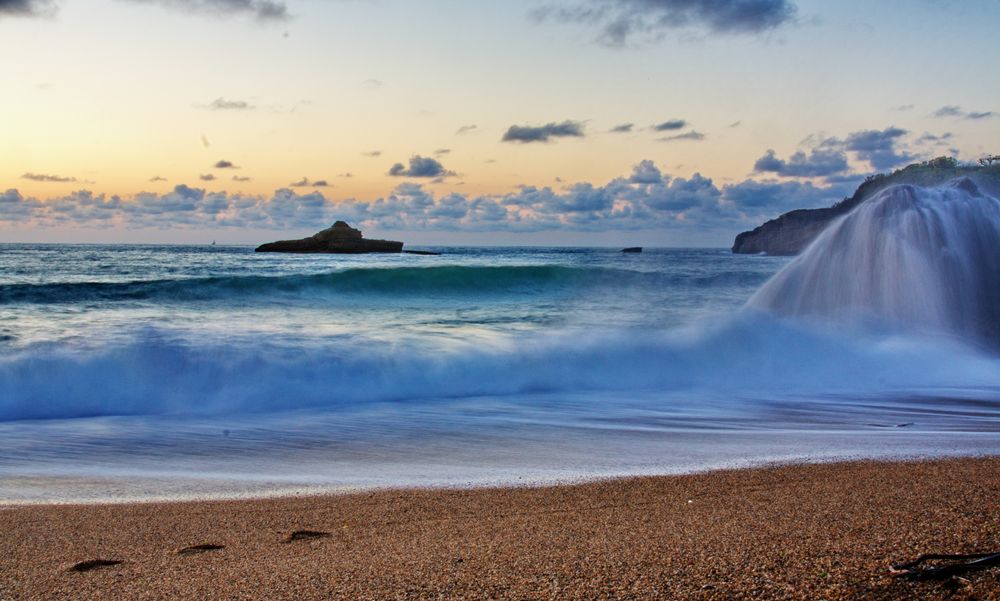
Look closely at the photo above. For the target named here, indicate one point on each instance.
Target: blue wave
(751, 356)
(414, 281)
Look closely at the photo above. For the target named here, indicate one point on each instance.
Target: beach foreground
(806, 531)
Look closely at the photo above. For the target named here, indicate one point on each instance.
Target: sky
(564, 122)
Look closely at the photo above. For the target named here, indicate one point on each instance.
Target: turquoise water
(177, 371)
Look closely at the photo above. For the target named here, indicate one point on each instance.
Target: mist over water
(144, 372)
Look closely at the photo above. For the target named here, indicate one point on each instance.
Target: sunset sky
(658, 122)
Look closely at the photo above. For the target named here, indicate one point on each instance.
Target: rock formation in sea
(339, 238)
(792, 232)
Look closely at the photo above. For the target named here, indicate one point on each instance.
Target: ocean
(167, 372)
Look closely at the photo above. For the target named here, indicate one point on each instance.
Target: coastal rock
(788, 234)
(792, 232)
(339, 238)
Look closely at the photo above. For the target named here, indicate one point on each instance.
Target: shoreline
(788, 531)
(305, 491)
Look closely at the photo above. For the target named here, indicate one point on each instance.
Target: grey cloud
(879, 147)
(225, 165)
(372, 153)
(937, 140)
(25, 8)
(765, 198)
(157, 178)
(624, 128)
(221, 104)
(53, 179)
(264, 10)
(949, 110)
(241, 178)
(646, 172)
(691, 135)
(646, 199)
(672, 125)
(820, 162)
(465, 129)
(442, 151)
(954, 111)
(305, 183)
(420, 167)
(619, 21)
(527, 133)
(206, 177)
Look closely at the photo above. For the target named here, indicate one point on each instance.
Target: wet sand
(800, 532)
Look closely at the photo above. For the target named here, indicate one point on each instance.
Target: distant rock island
(340, 238)
(792, 232)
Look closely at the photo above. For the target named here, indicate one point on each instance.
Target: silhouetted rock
(340, 238)
(632, 249)
(792, 232)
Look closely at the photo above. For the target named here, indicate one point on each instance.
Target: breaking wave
(909, 259)
(749, 356)
(413, 281)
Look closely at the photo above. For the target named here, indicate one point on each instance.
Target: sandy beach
(799, 532)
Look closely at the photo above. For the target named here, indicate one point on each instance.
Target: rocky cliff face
(340, 238)
(789, 234)
(792, 232)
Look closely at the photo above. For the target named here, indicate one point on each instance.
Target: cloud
(526, 134)
(442, 151)
(204, 141)
(735, 124)
(466, 129)
(619, 21)
(935, 139)
(691, 135)
(949, 110)
(954, 111)
(26, 8)
(646, 199)
(221, 104)
(241, 178)
(224, 165)
(879, 147)
(646, 172)
(624, 128)
(372, 154)
(264, 10)
(764, 198)
(672, 125)
(157, 178)
(820, 162)
(206, 177)
(373, 84)
(305, 183)
(420, 167)
(52, 179)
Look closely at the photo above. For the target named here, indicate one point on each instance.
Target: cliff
(792, 232)
(339, 238)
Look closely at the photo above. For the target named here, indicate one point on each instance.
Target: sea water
(148, 372)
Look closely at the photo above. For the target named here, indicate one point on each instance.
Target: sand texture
(798, 532)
